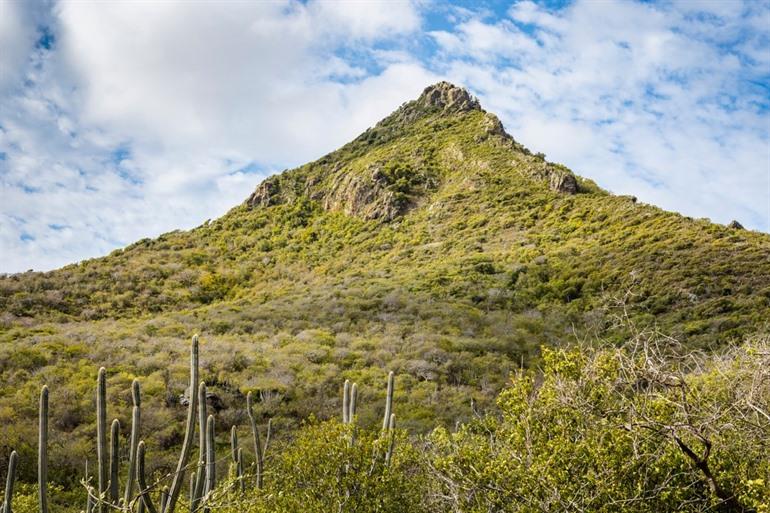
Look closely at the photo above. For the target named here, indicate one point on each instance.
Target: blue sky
(122, 120)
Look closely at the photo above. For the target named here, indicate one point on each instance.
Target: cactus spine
(388, 402)
(135, 425)
(114, 459)
(257, 444)
(176, 484)
(42, 452)
(101, 434)
(9, 480)
(144, 490)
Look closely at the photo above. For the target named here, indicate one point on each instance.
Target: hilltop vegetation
(434, 245)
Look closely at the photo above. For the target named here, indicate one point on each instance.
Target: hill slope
(433, 244)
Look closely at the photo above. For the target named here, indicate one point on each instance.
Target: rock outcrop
(447, 98)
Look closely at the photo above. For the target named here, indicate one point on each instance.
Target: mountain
(433, 244)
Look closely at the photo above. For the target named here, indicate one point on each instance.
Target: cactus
(239, 470)
(388, 402)
(176, 484)
(144, 490)
(192, 487)
(346, 402)
(135, 425)
(200, 478)
(352, 406)
(114, 460)
(257, 444)
(234, 444)
(267, 438)
(101, 435)
(9, 480)
(42, 452)
(392, 438)
(211, 468)
(164, 498)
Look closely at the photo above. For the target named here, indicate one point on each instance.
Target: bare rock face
(558, 178)
(735, 225)
(564, 182)
(266, 194)
(365, 196)
(448, 97)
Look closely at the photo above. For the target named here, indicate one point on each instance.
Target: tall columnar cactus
(388, 402)
(42, 452)
(211, 465)
(234, 444)
(135, 427)
(268, 435)
(176, 483)
(257, 443)
(164, 498)
(141, 479)
(9, 481)
(200, 478)
(392, 438)
(346, 402)
(353, 400)
(239, 470)
(352, 413)
(114, 460)
(101, 435)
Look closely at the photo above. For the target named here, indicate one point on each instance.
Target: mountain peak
(448, 97)
(443, 137)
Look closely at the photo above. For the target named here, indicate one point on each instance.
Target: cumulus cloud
(120, 120)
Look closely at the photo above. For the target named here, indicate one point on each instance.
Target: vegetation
(642, 427)
(434, 245)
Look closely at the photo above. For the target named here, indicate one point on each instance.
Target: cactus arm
(176, 484)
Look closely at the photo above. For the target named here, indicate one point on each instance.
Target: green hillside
(434, 244)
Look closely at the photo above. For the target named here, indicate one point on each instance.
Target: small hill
(434, 244)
